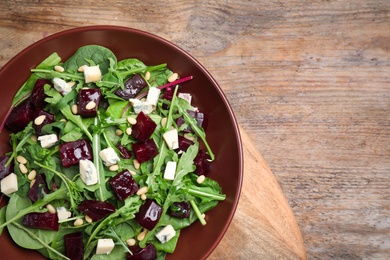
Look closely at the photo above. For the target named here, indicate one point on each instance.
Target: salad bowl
(196, 241)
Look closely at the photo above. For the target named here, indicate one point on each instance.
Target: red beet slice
(180, 209)
(38, 95)
(124, 152)
(74, 247)
(132, 87)
(184, 143)
(72, 152)
(49, 118)
(149, 214)
(96, 209)
(86, 96)
(145, 151)
(124, 185)
(5, 170)
(144, 127)
(44, 220)
(203, 166)
(201, 120)
(39, 188)
(20, 116)
(147, 253)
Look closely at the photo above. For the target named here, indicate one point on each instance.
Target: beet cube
(148, 214)
(85, 97)
(5, 170)
(124, 152)
(203, 166)
(39, 188)
(132, 87)
(201, 120)
(144, 127)
(72, 152)
(145, 151)
(184, 143)
(49, 118)
(123, 185)
(44, 220)
(147, 253)
(74, 247)
(96, 209)
(38, 95)
(180, 209)
(20, 116)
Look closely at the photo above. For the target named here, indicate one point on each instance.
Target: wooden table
(309, 82)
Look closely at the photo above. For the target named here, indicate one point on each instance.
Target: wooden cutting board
(264, 226)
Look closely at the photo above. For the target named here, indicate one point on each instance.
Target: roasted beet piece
(145, 151)
(38, 95)
(180, 209)
(74, 247)
(85, 97)
(44, 220)
(20, 116)
(184, 143)
(5, 170)
(144, 128)
(203, 166)
(123, 185)
(49, 118)
(149, 214)
(132, 87)
(96, 209)
(147, 253)
(124, 152)
(72, 152)
(39, 188)
(201, 120)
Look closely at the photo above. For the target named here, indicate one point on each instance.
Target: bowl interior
(196, 242)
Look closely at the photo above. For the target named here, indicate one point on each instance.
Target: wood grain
(308, 80)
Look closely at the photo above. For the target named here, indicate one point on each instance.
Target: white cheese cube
(139, 106)
(185, 96)
(171, 138)
(153, 96)
(9, 184)
(61, 86)
(48, 141)
(92, 74)
(63, 214)
(166, 234)
(88, 172)
(170, 171)
(104, 246)
(109, 156)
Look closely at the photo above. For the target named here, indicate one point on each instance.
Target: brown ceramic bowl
(196, 242)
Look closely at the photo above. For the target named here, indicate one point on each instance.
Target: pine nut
(39, 120)
(23, 169)
(114, 168)
(74, 109)
(71, 83)
(78, 222)
(91, 105)
(81, 68)
(147, 75)
(189, 137)
(118, 132)
(143, 197)
(131, 241)
(59, 68)
(136, 164)
(63, 120)
(51, 209)
(129, 131)
(142, 190)
(200, 179)
(132, 172)
(173, 77)
(142, 235)
(32, 175)
(32, 183)
(164, 121)
(88, 219)
(21, 159)
(131, 120)
(203, 215)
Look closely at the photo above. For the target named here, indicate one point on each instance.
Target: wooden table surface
(309, 82)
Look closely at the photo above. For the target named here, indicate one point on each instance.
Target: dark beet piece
(20, 116)
(44, 220)
(145, 151)
(86, 96)
(132, 87)
(123, 185)
(149, 214)
(124, 152)
(144, 127)
(5, 170)
(38, 95)
(168, 94)
(203, 166)
(147, 253)
(72, 152)
(49, 118)
(96, 209)
(184, 143)
(74, 247)
(180, 209)
(200, 118)
(39, 189)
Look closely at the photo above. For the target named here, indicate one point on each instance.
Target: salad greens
(108, 129)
